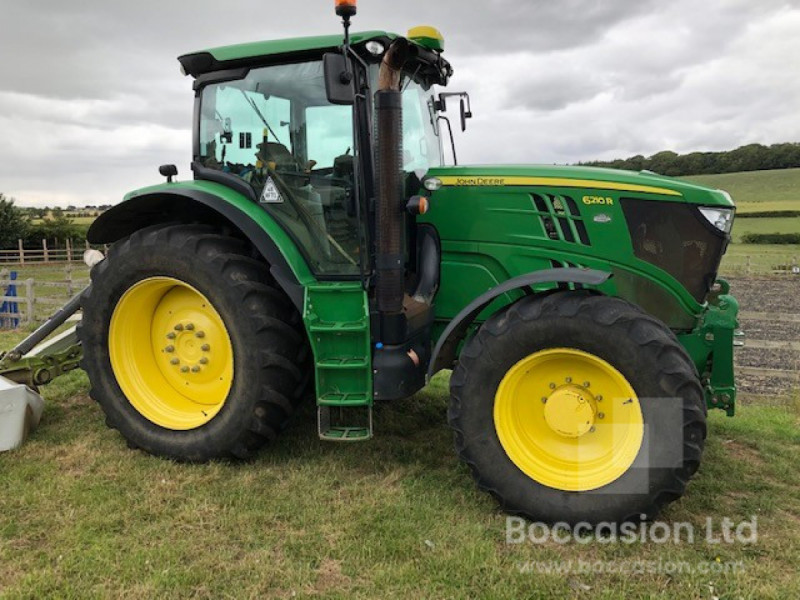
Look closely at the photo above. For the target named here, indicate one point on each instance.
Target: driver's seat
(273, 152)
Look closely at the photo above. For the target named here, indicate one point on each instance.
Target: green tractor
(322, 248)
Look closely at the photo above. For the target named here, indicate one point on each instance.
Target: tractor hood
(591, 180)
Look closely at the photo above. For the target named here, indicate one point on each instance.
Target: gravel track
(776, 297)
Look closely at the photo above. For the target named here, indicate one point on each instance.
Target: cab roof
(250, 54)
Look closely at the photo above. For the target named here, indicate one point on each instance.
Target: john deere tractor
(322, 249)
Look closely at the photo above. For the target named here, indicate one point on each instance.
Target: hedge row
(771, 238)
(766, 214)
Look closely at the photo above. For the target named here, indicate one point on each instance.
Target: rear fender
(195, 202)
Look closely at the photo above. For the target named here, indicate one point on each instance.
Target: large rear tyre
(578, 408)
(192, 350)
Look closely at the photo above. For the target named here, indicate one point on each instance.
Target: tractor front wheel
(192, 350)
(578, 408)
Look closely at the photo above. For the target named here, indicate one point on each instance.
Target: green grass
(763, 258)
(758, 190)
(765, 225)
(83, 516)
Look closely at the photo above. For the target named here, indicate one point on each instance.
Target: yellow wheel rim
(568, 419)
(171, 353)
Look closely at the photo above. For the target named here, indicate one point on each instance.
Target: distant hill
(753, 157)
(758, 191)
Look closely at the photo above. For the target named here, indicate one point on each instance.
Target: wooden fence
(36, 300)
(45, 255)
(765, 264)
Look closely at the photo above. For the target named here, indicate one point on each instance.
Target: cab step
(332, 425)
(337, 316)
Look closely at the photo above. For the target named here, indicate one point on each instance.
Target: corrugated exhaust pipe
(390, 257)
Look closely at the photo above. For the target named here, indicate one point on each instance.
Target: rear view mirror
(465, 114)
(466, 106)
(338, 80)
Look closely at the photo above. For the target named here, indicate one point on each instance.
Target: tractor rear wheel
(192, 350)
(578, 408)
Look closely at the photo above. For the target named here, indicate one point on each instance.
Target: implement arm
(32, 364)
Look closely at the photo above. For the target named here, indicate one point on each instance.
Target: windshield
(276, 130)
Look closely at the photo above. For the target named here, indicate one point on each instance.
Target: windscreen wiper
(252, 103)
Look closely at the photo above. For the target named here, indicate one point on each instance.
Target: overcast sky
(92, 100)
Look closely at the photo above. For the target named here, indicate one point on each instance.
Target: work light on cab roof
(346, 8)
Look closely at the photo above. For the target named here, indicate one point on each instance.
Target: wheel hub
(171, 353)
(187, 350)
(548, 413)
(570, 411)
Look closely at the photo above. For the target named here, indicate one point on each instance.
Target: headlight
(721, 218)
(375, 48)
(433, 184)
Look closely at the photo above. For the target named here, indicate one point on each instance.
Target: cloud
(91, 101)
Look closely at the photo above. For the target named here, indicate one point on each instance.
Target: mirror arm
(452, 139)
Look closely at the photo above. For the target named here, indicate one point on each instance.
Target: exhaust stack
(390, 258)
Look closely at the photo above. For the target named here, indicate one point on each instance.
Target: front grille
(677, 239)
(561, 218)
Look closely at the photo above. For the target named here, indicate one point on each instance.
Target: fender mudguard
(195, 202)
(445, 352)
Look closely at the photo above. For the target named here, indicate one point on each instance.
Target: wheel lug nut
(601, 415)
(599, 398)
(171, 336)
(170, 349)
(586, 384)
(569, 379)
(178, 327)
(200, 334)
(184, 369)
(552, 386)
(195, 369)
(204, 361)
(190, 327)
(593, 429)
(205, 348)
(175, 362)
(544, 400)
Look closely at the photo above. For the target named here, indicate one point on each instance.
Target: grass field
(83, 516)
(765, 225)
(758, 190)
(763, 258)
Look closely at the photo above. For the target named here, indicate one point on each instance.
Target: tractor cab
(272, 132)
(331, 140)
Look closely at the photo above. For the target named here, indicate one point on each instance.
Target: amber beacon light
(346, 8)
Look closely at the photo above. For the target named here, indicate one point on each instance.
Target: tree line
(753, 157)
(17, 224)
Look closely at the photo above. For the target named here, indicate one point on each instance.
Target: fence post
(69, 250)
(21, 252)
(29, 316)
(87, 245)
(69, 280)
(748, 268)
(46, 254)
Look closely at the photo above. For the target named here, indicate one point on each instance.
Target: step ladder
(337, 317)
